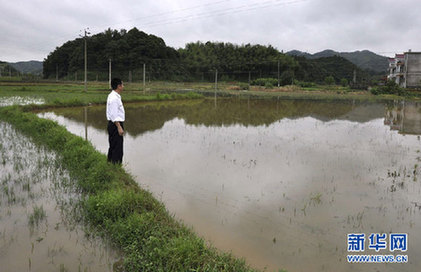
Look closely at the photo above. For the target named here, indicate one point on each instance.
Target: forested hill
(316, 70)
(28, 67)
(129, 50)
(365, 59)
(234, 61)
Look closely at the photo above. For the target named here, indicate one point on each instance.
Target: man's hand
(120, 131)
(119, 128)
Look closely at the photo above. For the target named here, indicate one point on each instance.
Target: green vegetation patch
(61, 95)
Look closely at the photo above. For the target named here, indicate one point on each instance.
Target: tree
(287, 77)
(329, 80)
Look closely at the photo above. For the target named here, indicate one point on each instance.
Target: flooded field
(280, 183)
(38, 213)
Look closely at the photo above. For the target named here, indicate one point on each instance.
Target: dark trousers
(115, 151)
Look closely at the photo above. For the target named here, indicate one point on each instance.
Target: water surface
(39, 230)
(281, 182)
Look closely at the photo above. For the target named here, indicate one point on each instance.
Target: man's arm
(119, 128)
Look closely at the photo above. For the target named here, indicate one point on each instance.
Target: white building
(405, 69)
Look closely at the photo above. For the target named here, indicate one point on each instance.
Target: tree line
(198, 61)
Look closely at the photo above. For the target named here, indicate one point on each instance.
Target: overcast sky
(31, 29)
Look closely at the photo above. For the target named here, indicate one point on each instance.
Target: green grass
(11, 79)
(74, 95)
(117, 208)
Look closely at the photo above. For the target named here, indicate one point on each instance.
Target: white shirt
(115, 109)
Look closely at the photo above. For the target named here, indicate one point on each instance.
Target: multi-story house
(405, 69)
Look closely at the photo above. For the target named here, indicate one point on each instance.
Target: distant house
(405, 69)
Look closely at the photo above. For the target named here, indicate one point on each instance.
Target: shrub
(287, 77)
(390, 88)
(268, 85)
(263, 81)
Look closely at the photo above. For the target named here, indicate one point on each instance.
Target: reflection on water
(404, 117)
(280, 183)
(38, 228)
(152, 116)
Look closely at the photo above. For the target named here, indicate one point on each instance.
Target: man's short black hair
(115, 82)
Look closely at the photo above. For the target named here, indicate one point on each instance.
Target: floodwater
(39, 229)
(282, 182)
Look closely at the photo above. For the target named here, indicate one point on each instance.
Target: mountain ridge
(28, 67)
(364, 59)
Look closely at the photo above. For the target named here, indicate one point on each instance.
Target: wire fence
(278, 74)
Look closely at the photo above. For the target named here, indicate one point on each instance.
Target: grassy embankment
(113, 203)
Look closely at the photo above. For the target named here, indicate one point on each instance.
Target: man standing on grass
(115, 117)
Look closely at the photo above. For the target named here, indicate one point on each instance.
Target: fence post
(144, 78)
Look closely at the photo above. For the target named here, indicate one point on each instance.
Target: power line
(169, 12)
(226, 11)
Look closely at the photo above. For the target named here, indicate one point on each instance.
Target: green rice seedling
(316, 199)
(11, 196)
(26, 186)
(38, 214)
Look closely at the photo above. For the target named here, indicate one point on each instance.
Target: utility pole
(249, 80)
(216, 81)
(354, 79)
(278, 75)
(144, 78)
(86, 56)
(56, 72)
(109, 72)
(85, 109)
